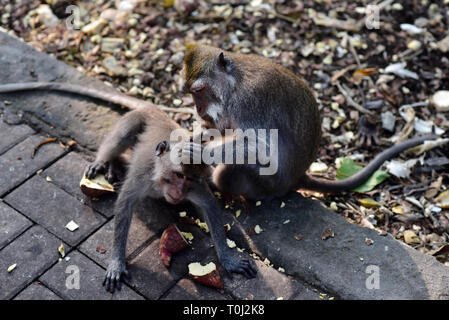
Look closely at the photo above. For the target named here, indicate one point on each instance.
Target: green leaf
(348, 168)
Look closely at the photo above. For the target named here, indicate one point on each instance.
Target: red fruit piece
(171, 241)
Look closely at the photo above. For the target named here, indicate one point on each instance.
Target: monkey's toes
(367, 132)
(113, 279)
(243, 267)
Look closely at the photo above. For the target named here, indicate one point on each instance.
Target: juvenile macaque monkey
(152, 173)
(237, 91)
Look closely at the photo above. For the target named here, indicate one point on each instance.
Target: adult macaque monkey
(152, 173)
(236, 91)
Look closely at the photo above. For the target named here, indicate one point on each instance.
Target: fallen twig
(41, 144)
(350, 101)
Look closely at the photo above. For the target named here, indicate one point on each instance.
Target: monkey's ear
(223, 63)
(162, 147)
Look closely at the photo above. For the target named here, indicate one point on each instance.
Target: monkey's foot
(114, 274)
(95, 168)
(367, 132)
(237, 265)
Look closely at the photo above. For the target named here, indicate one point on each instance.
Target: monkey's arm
(111, 96)
(134, 190)
(227, 149)
(207, 204)
(323, 185)
(123, 136)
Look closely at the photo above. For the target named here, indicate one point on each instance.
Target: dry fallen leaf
(231, 244)
(397, 210)
(359, 74)
(328, 233)
(61, 250)
(100, 249)
(410, 237)
(443, 199)
(72, 226)
(12, 267)
(369, 203)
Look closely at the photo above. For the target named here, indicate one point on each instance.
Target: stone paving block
(33, 252)
(269, 284)
(138, 235)
(37, 291)
(53, 208)
(12, 224)
(69, 116)
(67, 173)
(305, 292)
(12, 134)
(16, 164)
(60, 280)
(186, 289)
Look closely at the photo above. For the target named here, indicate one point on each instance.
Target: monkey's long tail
(324, 185)
(111, 96)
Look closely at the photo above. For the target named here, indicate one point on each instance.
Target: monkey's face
(173, 180)
(175, 186)
(209, 77)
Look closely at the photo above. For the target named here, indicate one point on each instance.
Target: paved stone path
(41, 195)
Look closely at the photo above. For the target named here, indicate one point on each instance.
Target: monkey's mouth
(172, 199)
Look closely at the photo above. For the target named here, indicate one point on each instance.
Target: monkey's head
(175, 180)
(209, 76)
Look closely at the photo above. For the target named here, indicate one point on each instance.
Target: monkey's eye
(179, 175)
(197, 88)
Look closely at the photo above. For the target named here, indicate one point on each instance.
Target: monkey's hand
(191, 152)
(95, 168)
(235, 264)
(113, 278)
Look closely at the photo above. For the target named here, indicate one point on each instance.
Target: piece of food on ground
(96, 187)
(172, 241)
(207, 275)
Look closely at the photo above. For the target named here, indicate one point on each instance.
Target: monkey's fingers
(191, 150)
(118, 282)
(94, 169)
(108, 283)
(247, 269)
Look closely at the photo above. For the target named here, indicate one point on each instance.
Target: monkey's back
(276, 98)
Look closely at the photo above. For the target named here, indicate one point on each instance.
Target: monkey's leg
(243, 180)
(123, 136)
(132, 191)
(208, 206)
